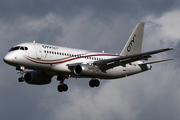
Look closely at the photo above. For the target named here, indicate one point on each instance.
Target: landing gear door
(38, 51)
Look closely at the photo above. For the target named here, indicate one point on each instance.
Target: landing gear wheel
(94, 83)
(91, 83)
(59, 88)
(21, 79)
(62, 88)
(65, 87)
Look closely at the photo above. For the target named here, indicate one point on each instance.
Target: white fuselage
(58, 60)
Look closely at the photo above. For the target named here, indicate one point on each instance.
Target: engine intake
(87, 70)
(37, 78)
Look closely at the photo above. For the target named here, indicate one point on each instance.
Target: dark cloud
(69, 8)
(175, 54)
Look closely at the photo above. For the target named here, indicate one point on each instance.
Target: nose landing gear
(21, 72)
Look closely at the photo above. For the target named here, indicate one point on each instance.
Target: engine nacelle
(37, 78)
(87, 70)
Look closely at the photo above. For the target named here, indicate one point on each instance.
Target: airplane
(47, 61)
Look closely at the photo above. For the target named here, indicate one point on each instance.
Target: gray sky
(92, 25)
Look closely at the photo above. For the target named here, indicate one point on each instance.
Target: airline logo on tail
(131, 44)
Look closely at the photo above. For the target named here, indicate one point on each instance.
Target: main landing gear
(94, 83)
(62, 87)
(21, 72)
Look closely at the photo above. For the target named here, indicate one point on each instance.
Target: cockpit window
(18, 48)
(14, 48)
(21, 48)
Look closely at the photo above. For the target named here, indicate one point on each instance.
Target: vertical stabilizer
(134, 43)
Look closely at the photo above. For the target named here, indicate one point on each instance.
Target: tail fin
(134, 43)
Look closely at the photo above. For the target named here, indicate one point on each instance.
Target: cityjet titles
(130, 45)
(49, 47)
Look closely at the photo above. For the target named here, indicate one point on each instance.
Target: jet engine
(37, 78)
(87, 70)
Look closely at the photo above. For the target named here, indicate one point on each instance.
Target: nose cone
(8, 58)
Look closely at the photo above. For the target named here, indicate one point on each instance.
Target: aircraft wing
(113, 62)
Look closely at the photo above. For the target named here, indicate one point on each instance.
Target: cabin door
(38, 51)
